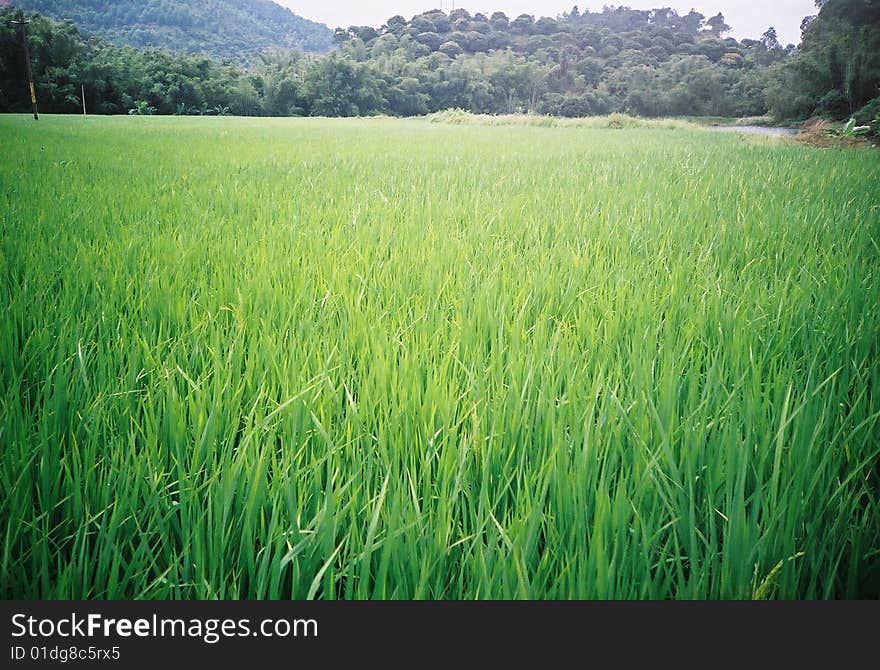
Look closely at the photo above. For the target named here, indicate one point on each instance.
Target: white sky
(749, 18)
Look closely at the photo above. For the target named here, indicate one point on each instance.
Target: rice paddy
(399, 359)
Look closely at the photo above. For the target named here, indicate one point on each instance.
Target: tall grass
(614, 121)
(391, 359)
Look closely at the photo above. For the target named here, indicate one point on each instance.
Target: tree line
(648, 63)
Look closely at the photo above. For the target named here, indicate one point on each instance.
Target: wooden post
(22, 22)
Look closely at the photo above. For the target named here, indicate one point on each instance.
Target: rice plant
(401, 359)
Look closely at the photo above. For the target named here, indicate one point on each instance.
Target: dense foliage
(651, 63)
(648, 63)
(116, 79)
(235, 29)
(836, 71)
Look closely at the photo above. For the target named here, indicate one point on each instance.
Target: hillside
(650, 63)
(234, 29)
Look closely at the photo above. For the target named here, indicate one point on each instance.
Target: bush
(142, 108)
(590, 103)
(869, 113)
(833, 104)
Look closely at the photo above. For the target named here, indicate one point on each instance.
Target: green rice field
(395, 359)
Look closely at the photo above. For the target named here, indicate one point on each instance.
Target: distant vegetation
(836, 72)
(616, 121)
(234, 29)
(646, 63)
(650, 63)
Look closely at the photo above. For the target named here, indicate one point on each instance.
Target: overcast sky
(749, 18)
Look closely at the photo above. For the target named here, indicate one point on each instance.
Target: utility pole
(22, 22)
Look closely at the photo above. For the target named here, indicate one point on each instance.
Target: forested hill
(647, 63)
(234, 29)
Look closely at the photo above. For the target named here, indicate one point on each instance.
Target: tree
(770, 39)
(618, 59)
(836, 70)
(337, 86)
(396, 24)
(422, 24)
(431, 40)
(451, 49)
(717, 25)
(406, 97)
(363, 33)
(693, 21)
(545, 26)
(499, 21)
(522, 24)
